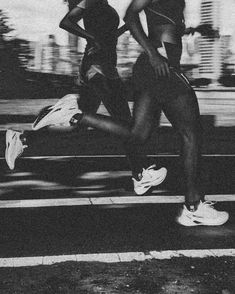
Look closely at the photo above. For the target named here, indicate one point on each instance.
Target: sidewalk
(219, 105)
(218, 119)
(175, 276)
(220, 140)
(123, 251)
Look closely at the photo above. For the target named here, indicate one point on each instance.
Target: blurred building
(203, 57)
(214, 55)
(210, 47)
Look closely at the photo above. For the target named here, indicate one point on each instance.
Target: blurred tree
(4, 27)
(18, 82)
(15, 52)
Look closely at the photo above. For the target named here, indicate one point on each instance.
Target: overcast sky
(34, 19)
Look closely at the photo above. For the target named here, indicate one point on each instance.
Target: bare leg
(183, 113)
(135, 134)
(112, 93)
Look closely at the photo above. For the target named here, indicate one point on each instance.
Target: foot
(14, 147)
(205, 215)
(58, 114)
(150, 177)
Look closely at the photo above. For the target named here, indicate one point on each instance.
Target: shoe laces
(148, 169)
(209, 204)
(208, 207)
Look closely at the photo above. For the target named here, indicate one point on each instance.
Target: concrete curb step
(114, 257)
(111, 202)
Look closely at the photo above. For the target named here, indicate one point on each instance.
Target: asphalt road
(73, 230)
(59, 176)
(92, 229)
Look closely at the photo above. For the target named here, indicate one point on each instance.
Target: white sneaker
(205, 215)
(14, 147)
(58, 114)
(150, 177)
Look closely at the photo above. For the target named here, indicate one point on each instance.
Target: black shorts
(164, 88)
(103, 64)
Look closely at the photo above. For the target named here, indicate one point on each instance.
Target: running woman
(159, 85)
(100, 80)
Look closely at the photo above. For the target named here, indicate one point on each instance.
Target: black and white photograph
(117, 146)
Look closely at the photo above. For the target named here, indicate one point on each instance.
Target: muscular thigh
(146, 113)
(89, 100)
(112, 96)
(183, 111)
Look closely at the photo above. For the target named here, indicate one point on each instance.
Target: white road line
(114, 257)
(114, 156)
(111, 201)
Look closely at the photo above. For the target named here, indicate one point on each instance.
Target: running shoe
(58, 114)
(150, 177)
(205, 215)
(14, 147)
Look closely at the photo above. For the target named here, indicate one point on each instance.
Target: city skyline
(34, 20)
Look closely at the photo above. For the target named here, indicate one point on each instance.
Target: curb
(114, 257)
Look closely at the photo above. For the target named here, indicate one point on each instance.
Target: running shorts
(164, 88)
(103, 64)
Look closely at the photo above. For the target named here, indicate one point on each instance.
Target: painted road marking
(114, 257)
(111, 201)
(52, 157)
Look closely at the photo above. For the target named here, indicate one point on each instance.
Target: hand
(94, 49)
(207, 30)
(159, 65)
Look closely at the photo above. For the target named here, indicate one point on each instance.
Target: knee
(191, 135)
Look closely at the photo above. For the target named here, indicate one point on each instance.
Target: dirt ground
(175, 276)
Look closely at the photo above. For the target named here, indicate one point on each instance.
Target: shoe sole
(193, 224)
(37, 125)
(9, 134)
(157, 182)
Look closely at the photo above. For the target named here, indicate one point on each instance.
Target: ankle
(23, 139)
(137, 176)
(76, 119)
(193, 199)
(192, 206)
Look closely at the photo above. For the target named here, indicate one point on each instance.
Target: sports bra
(166, 12)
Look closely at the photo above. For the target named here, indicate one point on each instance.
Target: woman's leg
(112, 94)
(113, 97)
(89, 100)
(183, 113)
(134, 133)
(17, 141)
(137, 132)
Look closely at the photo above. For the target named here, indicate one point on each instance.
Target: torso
(102, 21)
(167, 11)
(165, 22)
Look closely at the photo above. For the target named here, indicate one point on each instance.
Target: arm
(133, 23)
(121, 30)
(204, 30)
(69, 23)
